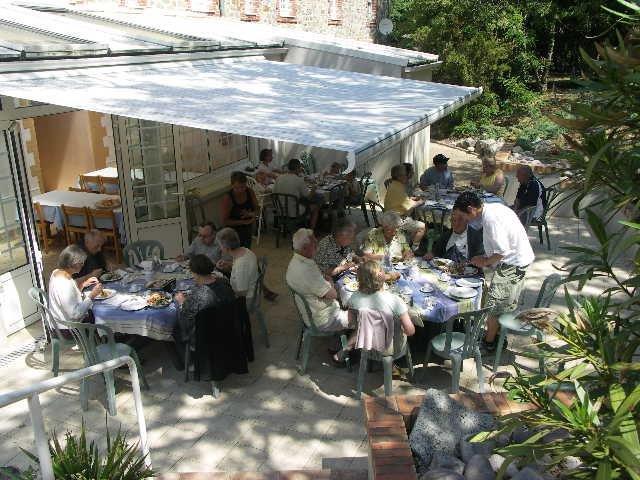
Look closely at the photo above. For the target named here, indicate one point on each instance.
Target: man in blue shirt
(438, 174)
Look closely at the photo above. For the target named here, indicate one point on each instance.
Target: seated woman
(372, 297)
(244, 271)
(492, 178)
(239, 207)
(210, 291)
(66, 301)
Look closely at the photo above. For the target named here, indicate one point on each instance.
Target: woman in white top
(244, 271)
(66, 301)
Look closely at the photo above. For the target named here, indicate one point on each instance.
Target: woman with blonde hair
(491, 178)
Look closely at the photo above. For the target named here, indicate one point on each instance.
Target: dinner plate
(469, 282)
(110, 277)
(106, 293)
(461, 292)
(426, 288)
(401, 266)
(165, 302)
(132, 304)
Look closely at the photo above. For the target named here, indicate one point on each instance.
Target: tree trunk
(548, 61)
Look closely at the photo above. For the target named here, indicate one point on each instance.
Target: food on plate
(351, 284)
(161, 284)
(453, 268)
(158, 299)
(110, 277)
(108, 203)
(105, 293)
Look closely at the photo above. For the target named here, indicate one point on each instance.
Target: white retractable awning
(338, 110)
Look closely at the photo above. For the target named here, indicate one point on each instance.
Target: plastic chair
(435, 218)
(255, 307)
(141, 250)
(374, 207)
(400, 349)
(58, 341)
(510, 324)
(109, 228)
(88, 337)
(289, 213)
(458, 346)
(550, 194)
(76, 221)
(308, 330)
(261, 197)
(363, 184)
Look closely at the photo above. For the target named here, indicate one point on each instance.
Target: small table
(414, 279)
(154, 323)
(52, 202)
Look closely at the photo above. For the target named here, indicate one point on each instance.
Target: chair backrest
(526, 215)
(548, 290)
(103, 219)
(363, 183)
(473, 323)
(286, 206)
(306, 317)
(90, 183)
(109, 185)
(75, 217)
(398, 339)
(308, 163)
(551, 194)
(39, 297)
(86, 336)
(257, 292)
(39, 213)
(135, 252)
(374, 207)
(387, 182)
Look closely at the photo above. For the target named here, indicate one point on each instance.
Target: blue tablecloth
(443, 306)
(155, 323)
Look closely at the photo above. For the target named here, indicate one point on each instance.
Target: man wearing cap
(438, 174)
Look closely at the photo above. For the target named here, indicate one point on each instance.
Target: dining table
(426, 291)
(52, 201)
(120, 312)
(445, 199)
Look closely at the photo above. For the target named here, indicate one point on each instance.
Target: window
(286, 11)
(205, 151)
(250, 10)
(205, 6)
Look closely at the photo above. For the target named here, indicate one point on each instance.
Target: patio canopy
(338, 110)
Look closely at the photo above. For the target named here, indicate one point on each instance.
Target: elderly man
(438, 174)
(531, 192)
(304, 276)
(335, 255)
(204, 244)
(292, 183)
(507, 248)
(95, 263)
(460, 243)
(398, 201)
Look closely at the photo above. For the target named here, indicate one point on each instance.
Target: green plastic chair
(141, 250)
(458, 346)
(58, 341)
(255, 307)
(510, 324)
(400, 349)
(308, 330)
(289, 214)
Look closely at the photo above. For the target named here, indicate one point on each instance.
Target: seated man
(94, 264)
(397, 200)
(387, 239)
(531, 193)
(204, 244)
(438, 174)
(266, 158)
(304, 276)
(292, 183)
(335, 254)
(459, 244)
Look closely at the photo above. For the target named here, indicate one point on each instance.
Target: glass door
(151, 171)
(20, 258)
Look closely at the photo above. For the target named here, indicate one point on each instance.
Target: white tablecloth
(110, 172)
(52, 202)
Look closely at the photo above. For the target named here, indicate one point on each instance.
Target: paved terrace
(270, 419)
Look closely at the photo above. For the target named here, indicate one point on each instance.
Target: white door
(19, 252)
(151, 173)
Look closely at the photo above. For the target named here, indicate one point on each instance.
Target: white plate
(405, 291)
(426, 288)
(401, 266)
(462, 292)
(132, 304)
(106, 293)
(469, 282)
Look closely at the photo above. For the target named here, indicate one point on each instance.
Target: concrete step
(281, 475)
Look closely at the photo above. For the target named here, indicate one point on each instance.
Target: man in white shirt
(304, 276)
(507, 247)
(292, 183)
